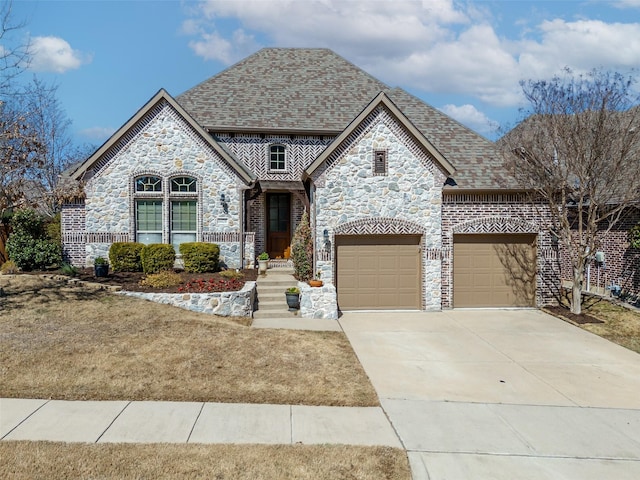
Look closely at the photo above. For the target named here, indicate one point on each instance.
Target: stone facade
(350, 198)
(164, 145)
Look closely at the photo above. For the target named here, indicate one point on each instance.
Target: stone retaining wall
(226, 304)
(318, 302)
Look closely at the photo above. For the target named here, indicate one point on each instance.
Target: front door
(278, 223)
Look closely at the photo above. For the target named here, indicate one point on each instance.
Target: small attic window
(380, 162)
(148, 184)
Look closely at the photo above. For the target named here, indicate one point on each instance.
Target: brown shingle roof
(297, 90)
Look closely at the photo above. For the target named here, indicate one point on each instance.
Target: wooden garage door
(494, 270)
(377, 272)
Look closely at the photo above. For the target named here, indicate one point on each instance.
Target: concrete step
(282, 313)
(272, 305)
(274, 289)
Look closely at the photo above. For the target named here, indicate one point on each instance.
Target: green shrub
(68, 269)
(634, 237)
(166, 278)
(125, 256)
(200, 257)
(302, 250)
(53, 228)
(157, 257)
(28, 244)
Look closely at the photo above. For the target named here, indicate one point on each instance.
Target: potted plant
(100, 267)
(316, 282)
(263, 262)
(293, 298)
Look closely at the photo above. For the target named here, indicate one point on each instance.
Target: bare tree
(19, 162)
(13, 58)
(56, 151)
(578, 152)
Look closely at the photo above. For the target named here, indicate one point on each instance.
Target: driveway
(502, 394)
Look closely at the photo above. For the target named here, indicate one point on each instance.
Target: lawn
(64, 342)
(621, 325)
(41, 460)
(616, 323)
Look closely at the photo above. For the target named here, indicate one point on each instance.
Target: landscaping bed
(131, 280)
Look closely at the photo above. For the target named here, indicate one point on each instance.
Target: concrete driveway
(502, 394)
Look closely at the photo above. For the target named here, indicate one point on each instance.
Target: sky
(466, 58)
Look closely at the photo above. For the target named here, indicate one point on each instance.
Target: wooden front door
(278, 223)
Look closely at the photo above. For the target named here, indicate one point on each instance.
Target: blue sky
(465, 58)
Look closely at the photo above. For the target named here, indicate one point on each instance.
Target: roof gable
(382, 100)
(114, 142)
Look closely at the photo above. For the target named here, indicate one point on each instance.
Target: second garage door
(376, 272)
(494, 270)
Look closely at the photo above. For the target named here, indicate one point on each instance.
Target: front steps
(271, 299)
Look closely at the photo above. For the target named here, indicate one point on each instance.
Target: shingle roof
(296, 90)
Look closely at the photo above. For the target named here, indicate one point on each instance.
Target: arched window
(148, 183)
(277, 158)
(184, 184)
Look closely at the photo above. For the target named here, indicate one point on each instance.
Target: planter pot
(316, 283)
(262, 266)
(293, 301)
(101, 270)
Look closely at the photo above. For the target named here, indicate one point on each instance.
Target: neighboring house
(409, 209)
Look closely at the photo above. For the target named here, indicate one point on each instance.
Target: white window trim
(286, 158)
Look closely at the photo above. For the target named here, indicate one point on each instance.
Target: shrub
(634, 236)
(231, 274)
(9, 268)
(28, 245)
(200, 257)
(68, 269)
(157, 257)
(166, 278)
(54, 228)
(125, 256)
(302, 250)
(263, 256)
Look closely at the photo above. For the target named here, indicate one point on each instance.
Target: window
(178, 207)
(380, 162)
(148, 184)
(184, 184)
(277, 158)
(183, 222)
(149, 221)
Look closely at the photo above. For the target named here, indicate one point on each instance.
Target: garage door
(494, 270)
(377, 272)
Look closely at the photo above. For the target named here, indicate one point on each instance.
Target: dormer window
(277, 159)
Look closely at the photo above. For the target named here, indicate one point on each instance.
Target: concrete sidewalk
(192, 422)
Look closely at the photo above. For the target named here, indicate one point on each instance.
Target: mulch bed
(131, 280)
(566, 313)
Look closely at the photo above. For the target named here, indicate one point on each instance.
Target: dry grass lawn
(70, 343)
(621, 325)
(41, 460)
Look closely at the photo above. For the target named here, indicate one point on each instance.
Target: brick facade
(498, 213)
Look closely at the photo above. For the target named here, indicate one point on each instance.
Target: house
(409, 209)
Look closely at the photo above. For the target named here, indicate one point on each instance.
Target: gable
(130, 131)
(381, 104)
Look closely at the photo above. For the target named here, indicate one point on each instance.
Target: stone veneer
(351, 199)
(165, 146)
(318, 302)
(227, 304)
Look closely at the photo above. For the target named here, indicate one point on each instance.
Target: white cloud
(54, 54)
(97, 134)
(627, 3)
(437, 46)
(471, 117)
